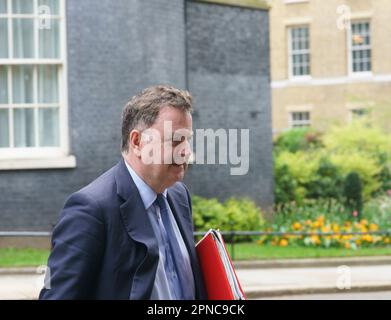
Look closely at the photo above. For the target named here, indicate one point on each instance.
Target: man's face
(165, 147)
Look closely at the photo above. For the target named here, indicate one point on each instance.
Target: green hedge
(233, 214)
(310, 165)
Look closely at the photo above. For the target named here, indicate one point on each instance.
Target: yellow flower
(283, 242)
(346, 237)
(336, 228)
(367, 238)
(320, 220)
(373, 227)
(347, 245)
(296, 226)
(387, 240)
(364, 222)
(315, 239)
(316, 224)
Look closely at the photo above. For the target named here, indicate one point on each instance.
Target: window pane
(3, 38)
(3, 6)
(23, 38)
(24, 128)
(23, 6)
(22, 84)
(49, 39)
(4, 134)
(47, 84)
(52, 5)
(3, 85)
(49, 127)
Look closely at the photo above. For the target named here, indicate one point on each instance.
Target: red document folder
(218, 271)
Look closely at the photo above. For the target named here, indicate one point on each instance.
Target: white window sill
(300, 79)
(68, 162)
(361, 75)
(295, 1)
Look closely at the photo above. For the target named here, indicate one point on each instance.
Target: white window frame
(299, 123)
(295, 1)
(303, 51)
(39, 157)
(351, 72)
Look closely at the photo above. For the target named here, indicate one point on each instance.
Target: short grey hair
(143, 109)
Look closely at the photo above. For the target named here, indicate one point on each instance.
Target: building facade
(68, 67)
(331, 62)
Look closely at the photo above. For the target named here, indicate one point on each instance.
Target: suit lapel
(139, 228)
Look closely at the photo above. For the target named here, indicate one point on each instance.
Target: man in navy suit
(129, 234)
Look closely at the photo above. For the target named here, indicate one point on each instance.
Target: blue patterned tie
(174, 254)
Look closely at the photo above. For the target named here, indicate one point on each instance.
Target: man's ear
(135, 142)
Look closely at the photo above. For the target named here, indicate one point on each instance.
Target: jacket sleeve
(77, 249)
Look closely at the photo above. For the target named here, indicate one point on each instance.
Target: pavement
(260, 283)
(376, 295)
(276, 279)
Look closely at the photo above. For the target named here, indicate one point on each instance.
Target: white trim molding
(361, 15)
(310, 82)
(300, 108)
(295, 1)
(297, 21)
(68, 162)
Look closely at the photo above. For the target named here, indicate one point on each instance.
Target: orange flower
(283, 242)
(326, 229)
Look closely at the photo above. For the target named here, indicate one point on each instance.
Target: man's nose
(186, 151)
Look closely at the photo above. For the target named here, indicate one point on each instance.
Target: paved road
(293, 279)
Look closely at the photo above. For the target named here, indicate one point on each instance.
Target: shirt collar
(148, 195)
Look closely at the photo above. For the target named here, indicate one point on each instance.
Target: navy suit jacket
(104, 247)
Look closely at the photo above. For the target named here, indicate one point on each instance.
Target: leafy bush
(315, 168)
(358, 136)
(367, 142)
(365, 166)
(232, 215)
(285, 184)
(208, 214)
(327, 181)
(243, 214)
(353, 193)
(297, 139)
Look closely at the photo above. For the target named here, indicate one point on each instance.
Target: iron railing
(230, 234)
